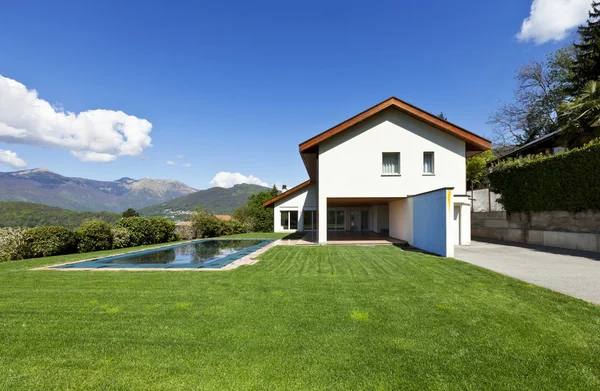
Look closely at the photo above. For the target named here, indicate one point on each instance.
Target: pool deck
(249, 259)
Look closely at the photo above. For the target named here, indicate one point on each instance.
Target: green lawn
(335, 317)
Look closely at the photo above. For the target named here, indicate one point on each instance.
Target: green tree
(477, 169)
(130, 213)
(587, 57)
(580, 117)
(254, 216)
(205, 224)
(442, 116)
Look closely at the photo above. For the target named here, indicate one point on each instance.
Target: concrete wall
(484, 200)
(433, 222)
(580, 230)
(303, 200)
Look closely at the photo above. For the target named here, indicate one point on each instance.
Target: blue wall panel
(429, 222)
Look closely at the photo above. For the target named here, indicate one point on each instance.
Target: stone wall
(580, 230)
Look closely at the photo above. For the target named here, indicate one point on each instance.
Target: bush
(164, 230)
(49, 241)
(185, 230)
(232, 227)
(11, 243)
(94, 235)
(205, 224)
(121, 237)
(141, 230)
(567, 181)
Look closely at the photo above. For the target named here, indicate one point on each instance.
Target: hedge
(12, 243)
(121, 237)
(94, 235)
(49, 241)
(567, 181)
(140, 229)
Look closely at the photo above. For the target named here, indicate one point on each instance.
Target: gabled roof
(473, 141)
(540, 140)
(283, 195)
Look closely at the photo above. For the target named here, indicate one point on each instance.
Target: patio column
(322, 220)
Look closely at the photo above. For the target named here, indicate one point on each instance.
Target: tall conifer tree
(587, 55)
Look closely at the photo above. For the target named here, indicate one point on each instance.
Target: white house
(393, 169)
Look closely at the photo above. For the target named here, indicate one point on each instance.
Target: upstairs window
(428, 161)
(390, 163)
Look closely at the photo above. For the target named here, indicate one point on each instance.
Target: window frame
(432, 173)
(289, 219)
(399, 156)
(313, 214)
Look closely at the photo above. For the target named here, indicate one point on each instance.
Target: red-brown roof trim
(291, 191)
(473, 141)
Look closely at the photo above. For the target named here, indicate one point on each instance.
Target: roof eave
(474, 142)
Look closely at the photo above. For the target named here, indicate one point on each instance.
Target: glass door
(336, 220)
(364, 220)
(310, 220)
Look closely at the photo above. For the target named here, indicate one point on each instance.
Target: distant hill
(46, 187)
(218, 200)
(27, 214)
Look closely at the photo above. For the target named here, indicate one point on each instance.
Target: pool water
(210, 253)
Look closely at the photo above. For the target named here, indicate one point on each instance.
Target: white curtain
(391, 163)
(428, 162)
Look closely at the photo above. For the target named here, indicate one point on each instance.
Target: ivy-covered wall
(567, 181)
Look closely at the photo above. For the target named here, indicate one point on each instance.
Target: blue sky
(236, 87)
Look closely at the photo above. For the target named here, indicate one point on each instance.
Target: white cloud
(93, 135)
(85, 156)
(10, 158)
(551, 20)
(187, 164)
(179, 156)
(171, 163)
(228, 179)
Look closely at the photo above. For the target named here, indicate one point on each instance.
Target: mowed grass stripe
(303, 318)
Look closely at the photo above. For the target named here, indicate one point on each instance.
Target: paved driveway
(572, 272)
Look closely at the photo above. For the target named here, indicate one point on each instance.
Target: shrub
(164, 230)
(232, 227)
(141, 230)
(121, 237)
(205, 224)
(94, 235)
(11, 243)
(254, 216)
(48, 241)
(567, 181)
(185, 230)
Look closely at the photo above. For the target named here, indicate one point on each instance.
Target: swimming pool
(207, 253)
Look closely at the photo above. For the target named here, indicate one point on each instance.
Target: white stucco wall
(350, 163)
(401, 219)
(305, 199)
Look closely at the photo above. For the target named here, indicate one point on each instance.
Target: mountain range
(151, 197)
(217, 200)
(43, 186)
